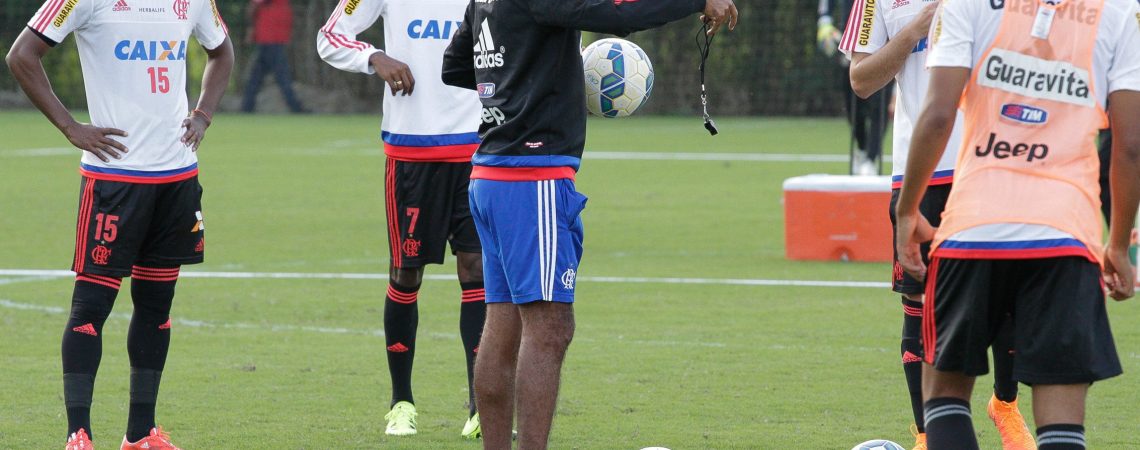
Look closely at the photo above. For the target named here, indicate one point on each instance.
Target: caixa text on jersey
(127, 50)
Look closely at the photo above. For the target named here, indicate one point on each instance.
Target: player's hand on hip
(397, 74)
(1119, 273)
(719, 12)
(195, 126)
(913, 230)
(96, 140)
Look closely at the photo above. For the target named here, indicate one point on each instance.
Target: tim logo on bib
(1036, 78)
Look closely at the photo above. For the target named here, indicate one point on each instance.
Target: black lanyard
(704, 49)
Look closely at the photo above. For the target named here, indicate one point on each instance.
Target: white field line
(377, 276)
(39, 152)
(279, 328)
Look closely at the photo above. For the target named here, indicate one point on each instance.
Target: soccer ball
(878, 444)
(619, 77)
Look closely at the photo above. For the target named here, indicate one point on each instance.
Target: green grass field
(295, 363)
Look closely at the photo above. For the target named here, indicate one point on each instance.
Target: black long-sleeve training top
(523, 57)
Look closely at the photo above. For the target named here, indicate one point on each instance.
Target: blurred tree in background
(768, 66)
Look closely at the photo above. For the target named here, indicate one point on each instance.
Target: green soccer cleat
(401, 419)
(472, 430)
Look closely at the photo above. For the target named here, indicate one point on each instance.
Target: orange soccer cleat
(919, 438)
(79, 441)
(1014, 434)
(157, 440)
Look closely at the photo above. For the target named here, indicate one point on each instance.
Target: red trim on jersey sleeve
(49, 12)
(138, 179)
(847, 43)
(521, 173)
(442, 153)
(338, 40)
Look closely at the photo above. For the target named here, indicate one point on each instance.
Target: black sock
(78, 389)
(472, 313)
(948, 425)
(144, 396)
(1061, 437)
(82, 347)
(401, 319)
(912, 357)
(148, 343)
(1005, 388)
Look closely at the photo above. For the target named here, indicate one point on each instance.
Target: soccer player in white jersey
(430, 130)
(888, 41)
(140, 212)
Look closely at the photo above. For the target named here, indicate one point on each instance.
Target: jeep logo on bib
(1035, 77)
(494, 115)
(1002, 150)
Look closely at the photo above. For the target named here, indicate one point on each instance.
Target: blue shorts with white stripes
(531, 235)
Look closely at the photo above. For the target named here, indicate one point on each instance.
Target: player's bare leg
(947, 410)
(1059, 403)
(472, 315)
(401, 321)
(495, 374)
(547, 329)
(1059, 412)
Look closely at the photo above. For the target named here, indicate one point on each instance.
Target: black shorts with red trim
(931, 207)
(427, 208)
(1057, 311)
(123, 224)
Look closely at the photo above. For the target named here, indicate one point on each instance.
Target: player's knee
(407, 277)
(555, 334)
(89, 312)
(469, 266)
(152, 309)
(91, 304)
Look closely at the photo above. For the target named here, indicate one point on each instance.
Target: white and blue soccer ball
(619, 77)
(878, 444)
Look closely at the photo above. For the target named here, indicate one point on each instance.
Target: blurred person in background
(867, 116)
(272, 29)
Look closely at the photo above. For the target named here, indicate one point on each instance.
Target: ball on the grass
(878, 444)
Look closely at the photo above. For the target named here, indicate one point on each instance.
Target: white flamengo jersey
(871, 25)
(437, 123)
(133, 55)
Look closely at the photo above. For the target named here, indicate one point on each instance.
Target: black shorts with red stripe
(427, 208)
(931, 207)
(122, 225)
(1057, 311)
